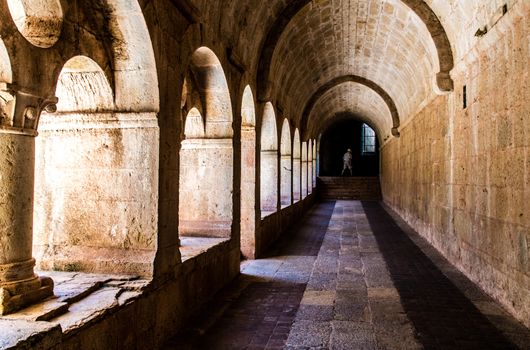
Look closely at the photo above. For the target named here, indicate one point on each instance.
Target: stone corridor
(352, 275)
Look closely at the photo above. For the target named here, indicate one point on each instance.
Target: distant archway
(314, 156)
(206, 154)
(304, 169)
(297, 159)
(309, 166)
(351, 134)
(285, 165)
(269, 161)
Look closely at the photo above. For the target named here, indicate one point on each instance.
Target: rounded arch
(40, 22)
(90, 149)
(135, 74)
(296, 144)
(304, 170)
(297, 158)
(194, 125)
(354, 99)
(356, 79)
(285, 144)
(269, 161)
(210, 79)
(347, 115)
(314, 158)
(285, 164)
(420, 8)
(248, 110)
(309, 166)
(6, 75)
(269, 134)
(82, 87)
(349, 133)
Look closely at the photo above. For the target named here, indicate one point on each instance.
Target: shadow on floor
(442, 315)
(258, 309)
(305, 238)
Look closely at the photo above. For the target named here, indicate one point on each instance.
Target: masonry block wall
(461, 176)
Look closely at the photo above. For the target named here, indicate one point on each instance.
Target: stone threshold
(80, 299)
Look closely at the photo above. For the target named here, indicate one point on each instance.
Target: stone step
(356, 188)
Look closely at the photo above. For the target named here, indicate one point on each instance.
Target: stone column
(19, 116)
(304, 170)
(314, 164)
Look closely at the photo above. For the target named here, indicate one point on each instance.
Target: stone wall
(461, 176)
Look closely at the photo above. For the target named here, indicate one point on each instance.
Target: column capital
(20, 110)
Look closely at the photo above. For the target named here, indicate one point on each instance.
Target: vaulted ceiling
(378, 60)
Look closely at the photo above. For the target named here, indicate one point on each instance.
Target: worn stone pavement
(352, 275)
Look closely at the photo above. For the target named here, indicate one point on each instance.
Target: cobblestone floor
(353, 276)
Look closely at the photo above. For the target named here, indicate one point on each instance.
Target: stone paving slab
(371, 284)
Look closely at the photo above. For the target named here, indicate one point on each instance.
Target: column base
(16, 294)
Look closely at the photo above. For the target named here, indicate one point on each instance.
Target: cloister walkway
(352, 276)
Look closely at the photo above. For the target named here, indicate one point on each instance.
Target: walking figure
(346, 159)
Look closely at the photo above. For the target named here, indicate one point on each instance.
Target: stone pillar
(314, 164)
(310, 167)
(19, 116)
(304, 170)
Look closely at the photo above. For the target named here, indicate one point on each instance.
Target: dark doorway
(344, 135)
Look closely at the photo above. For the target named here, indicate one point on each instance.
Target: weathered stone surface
(112, 152)
(23, 334)
(464, 184)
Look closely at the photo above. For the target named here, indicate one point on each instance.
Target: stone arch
(39, 22)
(194, 125)
(285, 165)
(206, 154)
(297, 176)
(6, 77)
(314, 158)
(269, 161)
(420, 7)
(344, 115)
(248, 110)
(248, 174)
(357, 79)
(135, 74)
(333, 146)
(309, 166)
(210, 80)
(304, 170)
(88, 149)
(82, 87)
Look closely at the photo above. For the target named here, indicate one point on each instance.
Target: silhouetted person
(346, 161)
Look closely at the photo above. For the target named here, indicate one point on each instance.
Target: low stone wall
(274, 225)
(142, 322)
(141, 314)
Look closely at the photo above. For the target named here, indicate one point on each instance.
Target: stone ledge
(191, 247)
(79, 299)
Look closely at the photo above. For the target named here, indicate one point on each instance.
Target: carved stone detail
(20, 110)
